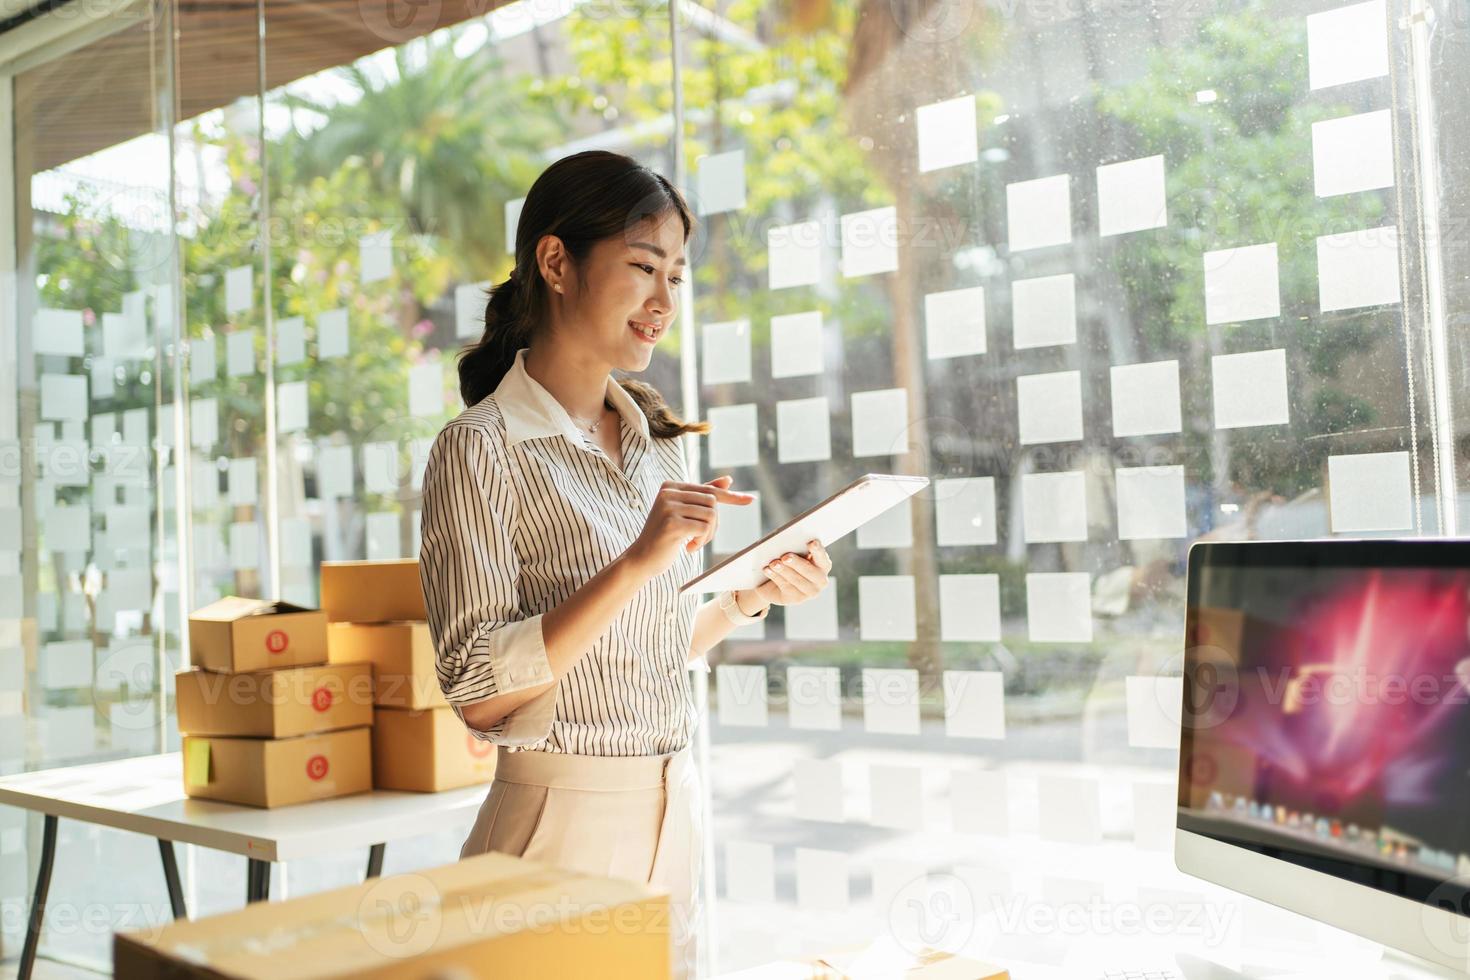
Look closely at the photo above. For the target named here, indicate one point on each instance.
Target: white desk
(145, 795)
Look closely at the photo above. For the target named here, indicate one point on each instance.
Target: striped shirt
(520, 508)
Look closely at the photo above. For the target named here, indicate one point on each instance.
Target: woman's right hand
(682, 519)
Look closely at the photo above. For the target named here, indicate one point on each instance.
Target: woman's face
(628, 288)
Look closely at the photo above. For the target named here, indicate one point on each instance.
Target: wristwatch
(732, 612)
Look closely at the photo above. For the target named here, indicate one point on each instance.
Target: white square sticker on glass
(894, 528)
(291, 340)
(64, 397)
(469, 309)
(382, 536)
(1059, 607)
(733, 438)
(739, 524)
(869, 242)
(794, 255)
(1358, 268)
(974, 704)
(291, 406)
(512, 223)
(1155, 809)
(426, 389)
(375, 256)
(980, 802)
(964, 510)
(813, 694)
(334, 474)
(125, 335)
(1347, 44)
(1049, 407)
(58, 332)
(750, 872)
(726, 352)
(880, 421)
(1370, 492)
(1250, 389)
(204, 422)
(244, 476)
(1241, 284)
(239, 289)
(203, 360)
(1150, 502)
(896, 797)
(719, 182)
(331, 333)
(954, 322)
(890, 700)
(821, 880)
(1130, 196)
(948, 136)
(969, 608)
(816, 618)
(1039, 212)
(1146, 398)
(204, 487)
(818, 789)
(803, 430)
(1044, 311)
(1054, 506)
(1069, 809)
(380, 467)
(1353, 153)
(741, 693)
(886, 607)
(796, 345)
(240, 353)
(1155, 707)
(244, 546)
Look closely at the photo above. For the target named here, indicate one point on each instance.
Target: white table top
(146, 795)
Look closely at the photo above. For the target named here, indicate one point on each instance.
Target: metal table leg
(171, 878)
(38, 904)
(258, 881)
(375, 860)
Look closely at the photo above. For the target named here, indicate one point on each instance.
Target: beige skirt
(635, 817)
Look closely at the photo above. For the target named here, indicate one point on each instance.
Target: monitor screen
(1327, 709)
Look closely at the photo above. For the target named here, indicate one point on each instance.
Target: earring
(558, 287)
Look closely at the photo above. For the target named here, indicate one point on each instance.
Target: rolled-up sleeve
(484, 646)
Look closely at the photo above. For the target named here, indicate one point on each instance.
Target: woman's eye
(676, 280)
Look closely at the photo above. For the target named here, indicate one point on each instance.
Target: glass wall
(1115, 277)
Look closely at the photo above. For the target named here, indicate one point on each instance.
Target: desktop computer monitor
(1324, 760)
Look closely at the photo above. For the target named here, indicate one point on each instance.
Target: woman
(558, 523)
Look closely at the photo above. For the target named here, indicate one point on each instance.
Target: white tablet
(851, 507)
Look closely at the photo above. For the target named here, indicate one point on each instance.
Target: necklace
(591, 424)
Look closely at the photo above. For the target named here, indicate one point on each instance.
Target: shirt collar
(531, 412)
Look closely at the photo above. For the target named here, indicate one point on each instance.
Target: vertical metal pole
(272, 503)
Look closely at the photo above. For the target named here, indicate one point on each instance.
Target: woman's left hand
(793, 579)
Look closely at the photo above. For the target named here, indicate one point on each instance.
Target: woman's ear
(553, 263)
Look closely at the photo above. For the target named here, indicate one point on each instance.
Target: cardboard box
(402, 655)
(490, 916)
(270, 772)
(275, 703)
(427, 751)
(882, 959)
(237, 634)
(372, 591)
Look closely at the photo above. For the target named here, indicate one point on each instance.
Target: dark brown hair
(582, 199)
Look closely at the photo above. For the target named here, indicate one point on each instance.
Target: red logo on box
(478, 749)
(316, 767)
(276, 641)
(321, 699)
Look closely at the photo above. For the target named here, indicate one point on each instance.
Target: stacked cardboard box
(265, 719)
(376, 615)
